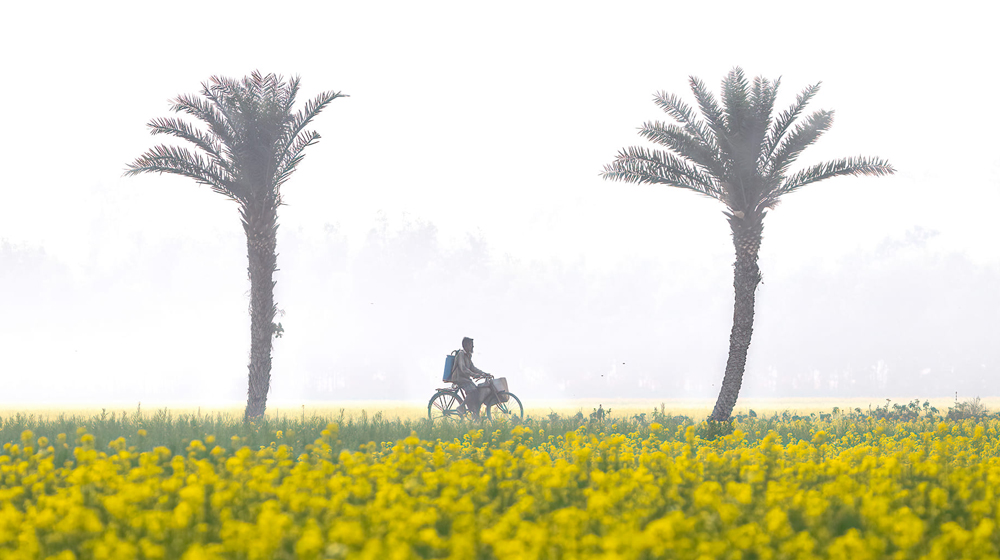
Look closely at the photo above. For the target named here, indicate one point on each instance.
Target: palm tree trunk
(746, 238)
(260, 222)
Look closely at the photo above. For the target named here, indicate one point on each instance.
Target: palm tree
(251, 146)
(737, 154)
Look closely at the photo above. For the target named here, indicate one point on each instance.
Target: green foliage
(907, 413)
(176, 432)
(969, 409)
(714, 429)
(599, 414)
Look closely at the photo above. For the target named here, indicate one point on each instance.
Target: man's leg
(474, 399)
(469, 388)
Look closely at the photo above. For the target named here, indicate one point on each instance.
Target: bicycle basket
(500, 384)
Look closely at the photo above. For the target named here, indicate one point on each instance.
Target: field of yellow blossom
(849, 486)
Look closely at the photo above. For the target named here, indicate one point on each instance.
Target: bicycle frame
(493, 393)
(444, 399)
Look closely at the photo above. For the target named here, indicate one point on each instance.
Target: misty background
(168, 321)
(456, 193)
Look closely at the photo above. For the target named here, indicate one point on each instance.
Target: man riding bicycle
(463, 374)
(465, 398)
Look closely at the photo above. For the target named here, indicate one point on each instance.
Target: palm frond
(181, 129)
(268, 94)
(682, 112)
(762, 99)
(225, 95)
(675, 107)
(640, 165)
(294, 155)
(207, 113)
(682, 143)
(736, 101)
(745, 128)
(785, 120)
(291, 93)
(181, 161)
(860, 165)
(716, 120)
(799, 139)
(293, 128)
(264, 88)
(762, 105)
(709, 106)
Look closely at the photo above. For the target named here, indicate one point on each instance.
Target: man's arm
(465, 366)
(475, 370)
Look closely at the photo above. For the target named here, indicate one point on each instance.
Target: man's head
(467, 344)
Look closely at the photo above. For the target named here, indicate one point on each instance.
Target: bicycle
(446, 404)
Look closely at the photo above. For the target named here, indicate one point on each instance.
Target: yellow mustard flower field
(849, 487)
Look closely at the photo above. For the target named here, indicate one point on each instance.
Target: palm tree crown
(253, 142)
(735, 153)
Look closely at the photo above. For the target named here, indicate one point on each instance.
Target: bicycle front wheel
(512, 409)
(444, 406)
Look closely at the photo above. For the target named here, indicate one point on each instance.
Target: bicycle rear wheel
(512, 409)
(444, 406)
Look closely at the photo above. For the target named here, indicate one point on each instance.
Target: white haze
(456, 193)
(170, 322)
